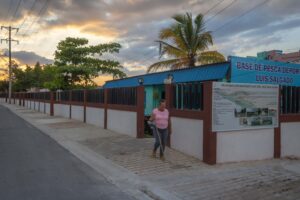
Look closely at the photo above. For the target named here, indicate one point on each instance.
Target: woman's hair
(162, 101)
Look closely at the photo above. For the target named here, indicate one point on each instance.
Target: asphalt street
(34, 167)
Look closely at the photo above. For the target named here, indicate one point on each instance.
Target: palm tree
(186, 41)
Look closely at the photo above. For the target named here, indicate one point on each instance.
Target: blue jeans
(163, 133)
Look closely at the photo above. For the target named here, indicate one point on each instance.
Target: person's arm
(152, 118)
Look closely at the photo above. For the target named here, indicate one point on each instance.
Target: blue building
(236, 70)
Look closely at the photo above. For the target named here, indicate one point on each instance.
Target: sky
(239, 27)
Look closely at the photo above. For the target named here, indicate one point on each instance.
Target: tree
(186, 41)
(3, 86)
(78, 63)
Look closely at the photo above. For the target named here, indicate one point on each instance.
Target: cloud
(29, 58)
(136, 24)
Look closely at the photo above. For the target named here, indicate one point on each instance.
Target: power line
(28, 14)
(16, 11)
(240, 16)
(213, 7)
(222, 10)
(40, 14)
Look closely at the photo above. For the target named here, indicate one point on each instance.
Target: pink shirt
(161, 118)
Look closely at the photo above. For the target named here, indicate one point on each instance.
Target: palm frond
(165, 64)
(209, 57)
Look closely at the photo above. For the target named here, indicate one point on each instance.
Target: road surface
(35, 167)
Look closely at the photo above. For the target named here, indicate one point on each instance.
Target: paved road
(35, 167)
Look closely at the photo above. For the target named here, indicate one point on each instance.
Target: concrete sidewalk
(126, 162)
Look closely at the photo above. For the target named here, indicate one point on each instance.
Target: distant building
(278, 55)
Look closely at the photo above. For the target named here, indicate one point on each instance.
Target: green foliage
(185, 41)
(78, 63)
(3, 86)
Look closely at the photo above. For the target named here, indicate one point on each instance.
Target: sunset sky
(135, 24)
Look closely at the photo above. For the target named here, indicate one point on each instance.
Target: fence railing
(289, 100)
(187, 96)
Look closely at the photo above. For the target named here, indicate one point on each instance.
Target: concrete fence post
(70, 103)
(140, 111)
(51, 103)
(168, 99)
(84, 105)
(105, 107)
(277, 132)
(209, 137)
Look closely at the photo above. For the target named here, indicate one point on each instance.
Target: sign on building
(238, 106)
(251, 70)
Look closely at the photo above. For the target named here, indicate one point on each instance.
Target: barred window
(95, 96)
(47, 96)
(289, 100)
(188, 96)
(78, 95)
(122, 96)
(63, 96)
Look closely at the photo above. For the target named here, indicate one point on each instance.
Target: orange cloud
(100, 80)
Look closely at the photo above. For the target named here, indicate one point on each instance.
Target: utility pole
(9, 40)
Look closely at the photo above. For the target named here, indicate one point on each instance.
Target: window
(122, 96)
(289, 100)
(95, 96)
(188, 96)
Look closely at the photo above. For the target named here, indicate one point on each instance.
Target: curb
(124, 179)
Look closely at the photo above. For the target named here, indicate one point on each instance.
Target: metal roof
(200, 73)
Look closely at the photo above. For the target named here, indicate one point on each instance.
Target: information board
(238, 106)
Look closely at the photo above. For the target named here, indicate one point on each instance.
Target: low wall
(124, 122)
(77, 112)
(290, 139)
(245, 145)
(32, 105)
(62, 110)
(47, 108)
(42, 107)
(187, 136)
(95, 116)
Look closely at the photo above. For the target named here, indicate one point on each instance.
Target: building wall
(95, 116)
(187, 136)
(245, 145)
(77, 112)
(290, 139)
(124, 122)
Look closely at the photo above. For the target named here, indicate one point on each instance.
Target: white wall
(57, 109)
(124, 122)
(32, 105)
(95, 116)
(42, 108)
(77, 112)
(47, 108)
(245, 145)
(62, 110)
(290, 139)
(187, 136)
(36, 106)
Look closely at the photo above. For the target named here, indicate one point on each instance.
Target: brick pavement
(183, 176)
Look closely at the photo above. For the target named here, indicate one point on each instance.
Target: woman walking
(160, 117)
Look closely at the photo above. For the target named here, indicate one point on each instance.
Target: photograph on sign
(244, 106)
